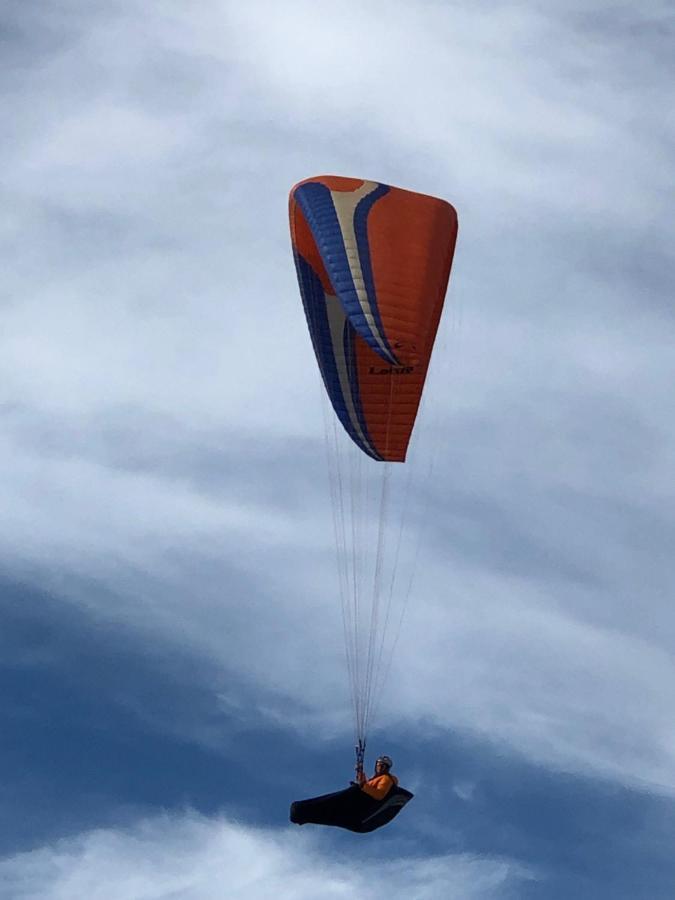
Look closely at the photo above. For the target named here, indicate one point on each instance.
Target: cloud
(568, 694)
(159, 402)
(189, 856)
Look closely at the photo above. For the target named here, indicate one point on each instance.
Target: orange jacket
(379, 786)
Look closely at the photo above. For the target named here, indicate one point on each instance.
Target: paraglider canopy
(373, 263)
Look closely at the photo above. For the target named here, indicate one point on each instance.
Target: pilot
(382, 781)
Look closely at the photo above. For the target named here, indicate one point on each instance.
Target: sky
(171, 660)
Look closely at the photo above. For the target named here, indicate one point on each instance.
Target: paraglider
(382, 781)
(366, 805)
(373, 263)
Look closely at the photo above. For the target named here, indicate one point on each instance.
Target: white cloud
(512, 100)
(191, 857)
(543, 681)
(153, 329)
